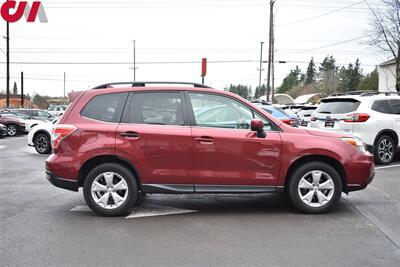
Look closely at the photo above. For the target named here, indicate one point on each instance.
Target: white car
(374, 118)
(57, 111)
(40, 137)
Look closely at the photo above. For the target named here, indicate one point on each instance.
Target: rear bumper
(61, 182)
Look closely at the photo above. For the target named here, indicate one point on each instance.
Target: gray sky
(181, 31)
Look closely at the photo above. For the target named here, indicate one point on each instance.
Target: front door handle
(130, 134)
(207, 140)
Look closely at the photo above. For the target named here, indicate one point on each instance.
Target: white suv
(374, 118)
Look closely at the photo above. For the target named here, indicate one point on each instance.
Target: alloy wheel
(385, 150)
(316, 188)
(42, 144)
(109, 190)
(11, 130)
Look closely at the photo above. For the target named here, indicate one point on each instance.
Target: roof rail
(143, 84)
(381, 93)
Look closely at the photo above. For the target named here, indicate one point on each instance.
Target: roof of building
(387, 63)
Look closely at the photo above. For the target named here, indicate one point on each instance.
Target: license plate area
(329, 124)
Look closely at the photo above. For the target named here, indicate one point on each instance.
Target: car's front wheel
(42, 143)
(315, 187)
(110, 189)
(12, 130)
(384, 150)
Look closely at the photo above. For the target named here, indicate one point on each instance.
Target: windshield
(338, 106)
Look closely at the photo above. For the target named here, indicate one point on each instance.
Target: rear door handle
(130, 134)
(205, 140)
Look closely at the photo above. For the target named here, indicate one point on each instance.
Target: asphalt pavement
(41, 225)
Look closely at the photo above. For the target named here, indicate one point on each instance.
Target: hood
(325, 133)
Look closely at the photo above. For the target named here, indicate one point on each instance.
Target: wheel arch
(41, 132)
(388, 132)
(318, 158)
(91, 163)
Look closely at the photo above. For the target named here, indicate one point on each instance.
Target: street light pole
(271, 23)
(134, 60)
(261, 55)
(8, 65)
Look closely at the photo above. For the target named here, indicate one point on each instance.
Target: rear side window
(107, 108)
(338, 106)
(395, 106)
(155, 108)
(381, 106)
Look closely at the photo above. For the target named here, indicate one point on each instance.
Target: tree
(386, 31)
(260, 91)
(294, 78)
(311, 73)
(350, 77)
(328, 76)
(370, 82)
(241, 90)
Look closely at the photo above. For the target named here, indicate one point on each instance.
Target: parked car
(29, 122)
(40, 137)
(120, 142)
(36, 114)
(3, 130)
(375, 118)
(283, 115)
(56, 111)
(14, 125)
(305, 115)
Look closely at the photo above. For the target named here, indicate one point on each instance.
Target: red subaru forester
(184, 138)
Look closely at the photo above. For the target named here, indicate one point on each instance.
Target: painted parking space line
(1, 147)
(145, 210)
(387, 167)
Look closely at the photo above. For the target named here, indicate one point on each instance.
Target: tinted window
(277, 113)
(395, 106)
(106, 108)
(338, 106)
(156, 108)
(381, 106)
(221, 112)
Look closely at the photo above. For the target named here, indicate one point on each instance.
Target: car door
(155, 136)
(395, 108)
(227, 155)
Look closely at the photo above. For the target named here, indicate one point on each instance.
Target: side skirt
(207, 189)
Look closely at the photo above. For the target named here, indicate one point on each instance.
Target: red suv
(118, 143)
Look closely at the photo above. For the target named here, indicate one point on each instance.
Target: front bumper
(62, 183)
(360, 171)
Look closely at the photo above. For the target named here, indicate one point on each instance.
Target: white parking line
(387, 167)
(1, 147)
(145, 210)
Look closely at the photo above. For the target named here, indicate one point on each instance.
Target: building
(387, 76)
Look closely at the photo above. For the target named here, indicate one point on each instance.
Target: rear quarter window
(338, 106)
(381, 106)
(107, 108)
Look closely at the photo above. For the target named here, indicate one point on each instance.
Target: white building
(387, 76)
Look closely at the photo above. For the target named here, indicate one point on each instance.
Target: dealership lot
(43, 225)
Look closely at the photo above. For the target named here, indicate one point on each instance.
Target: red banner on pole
(203, 67)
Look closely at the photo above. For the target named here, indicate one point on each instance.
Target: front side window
(156, 108)
(107, 108)
(220, 112)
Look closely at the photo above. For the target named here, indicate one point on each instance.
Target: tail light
(60, 132)
(289, 122)
(357, 117)
(313, 119)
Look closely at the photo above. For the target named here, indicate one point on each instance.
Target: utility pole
(8, 65)
(22, 89)
(273, 61)
(271, 23)
(261, 55)
(134, 60)
(64, 88)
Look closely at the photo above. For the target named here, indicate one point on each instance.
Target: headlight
(356, 143)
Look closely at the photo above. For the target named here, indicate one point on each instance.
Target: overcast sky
(225, 31)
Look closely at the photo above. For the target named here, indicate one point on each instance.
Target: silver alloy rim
(109, 190)
(42, 143)
(316, 189)
(385, 150)
(11, 130)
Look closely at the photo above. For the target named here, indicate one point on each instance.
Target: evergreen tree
(260, 91)
(329, 80)
(293, 79)
(311, 73)
(241, 90)
(370, 82)
(350, 77)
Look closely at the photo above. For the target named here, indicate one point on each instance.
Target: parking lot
(43, 225)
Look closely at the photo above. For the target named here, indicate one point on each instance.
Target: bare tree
(386, 31)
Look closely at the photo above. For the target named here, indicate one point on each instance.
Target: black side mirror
(258, 126)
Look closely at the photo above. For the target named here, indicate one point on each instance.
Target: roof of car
(367, 97)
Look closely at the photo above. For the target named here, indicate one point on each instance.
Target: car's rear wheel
(110, 189)
(315, 187)
(384, 149)
(42, 143)
(12, 130)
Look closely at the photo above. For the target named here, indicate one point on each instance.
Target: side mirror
(258, 126)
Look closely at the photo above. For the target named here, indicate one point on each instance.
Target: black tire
(42, 143)
(12, 129)
(384, 154)
(132, 189)
(302, 171)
